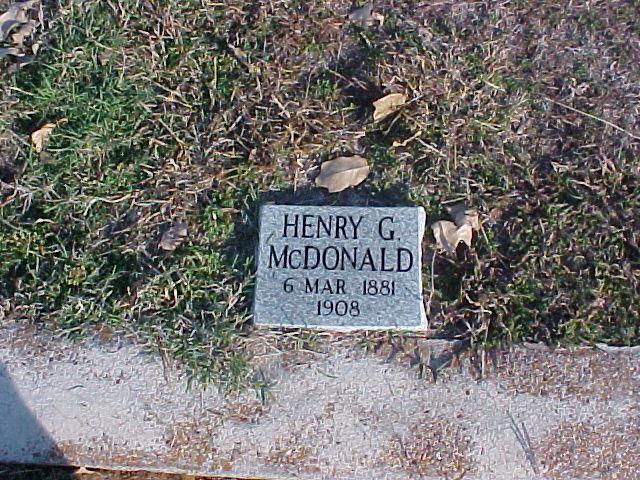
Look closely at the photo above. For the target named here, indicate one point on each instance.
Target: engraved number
(287, 286)
(340, 308)
(375, 287)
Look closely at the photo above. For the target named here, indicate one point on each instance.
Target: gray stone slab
(340, 268)
(338, 412)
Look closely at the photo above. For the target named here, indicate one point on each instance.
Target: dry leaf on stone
(463, 215)
(342, 173)
(173, 237)
(85, 471)
(40, 137)
(387, 105)
(16, 15)
(448, 235)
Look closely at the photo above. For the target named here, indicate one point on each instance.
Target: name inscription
(340, 267)
(332, 257)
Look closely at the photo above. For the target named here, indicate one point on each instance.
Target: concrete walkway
(341, 413)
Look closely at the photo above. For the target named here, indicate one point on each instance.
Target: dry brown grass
(196, 112)
(434, 447)
(583, 450)
(577, 375)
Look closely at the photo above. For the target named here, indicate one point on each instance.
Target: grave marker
(340, 268)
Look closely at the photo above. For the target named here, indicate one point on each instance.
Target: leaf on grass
(448, 235)
(40, 137)
(363, 14)
(173, 237)
(16, 15)
(240, 55)
(342, 173)
(463, 215)
(24, 32)
(387, 105)
(378, 17)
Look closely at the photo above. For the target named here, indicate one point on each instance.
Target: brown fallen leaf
(40, 137)
(14, 16)
(387, 105)
(463, 215)
(342, 173)
(240, 55)
(448, 235)
(173, 237)
(362, 14)
(84, 471)
(365, 15)
(24, 32)
(378, 17)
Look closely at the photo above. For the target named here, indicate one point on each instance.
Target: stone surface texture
(292, 291)
(349, 408)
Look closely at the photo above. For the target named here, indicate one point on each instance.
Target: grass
(194, 112)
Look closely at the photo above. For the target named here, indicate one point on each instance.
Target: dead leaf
(448, 235)
(173, 237)
(84, 471)
(495, 214)
(240, 55)
(362, 14)
(16, 15)
(40, 137)
(463, 215)
(342, 173)
(387, 105)
(24, 32)
(378, 17)
(365, 15)
(465, 234)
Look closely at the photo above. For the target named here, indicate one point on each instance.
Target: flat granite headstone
(340, 268)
